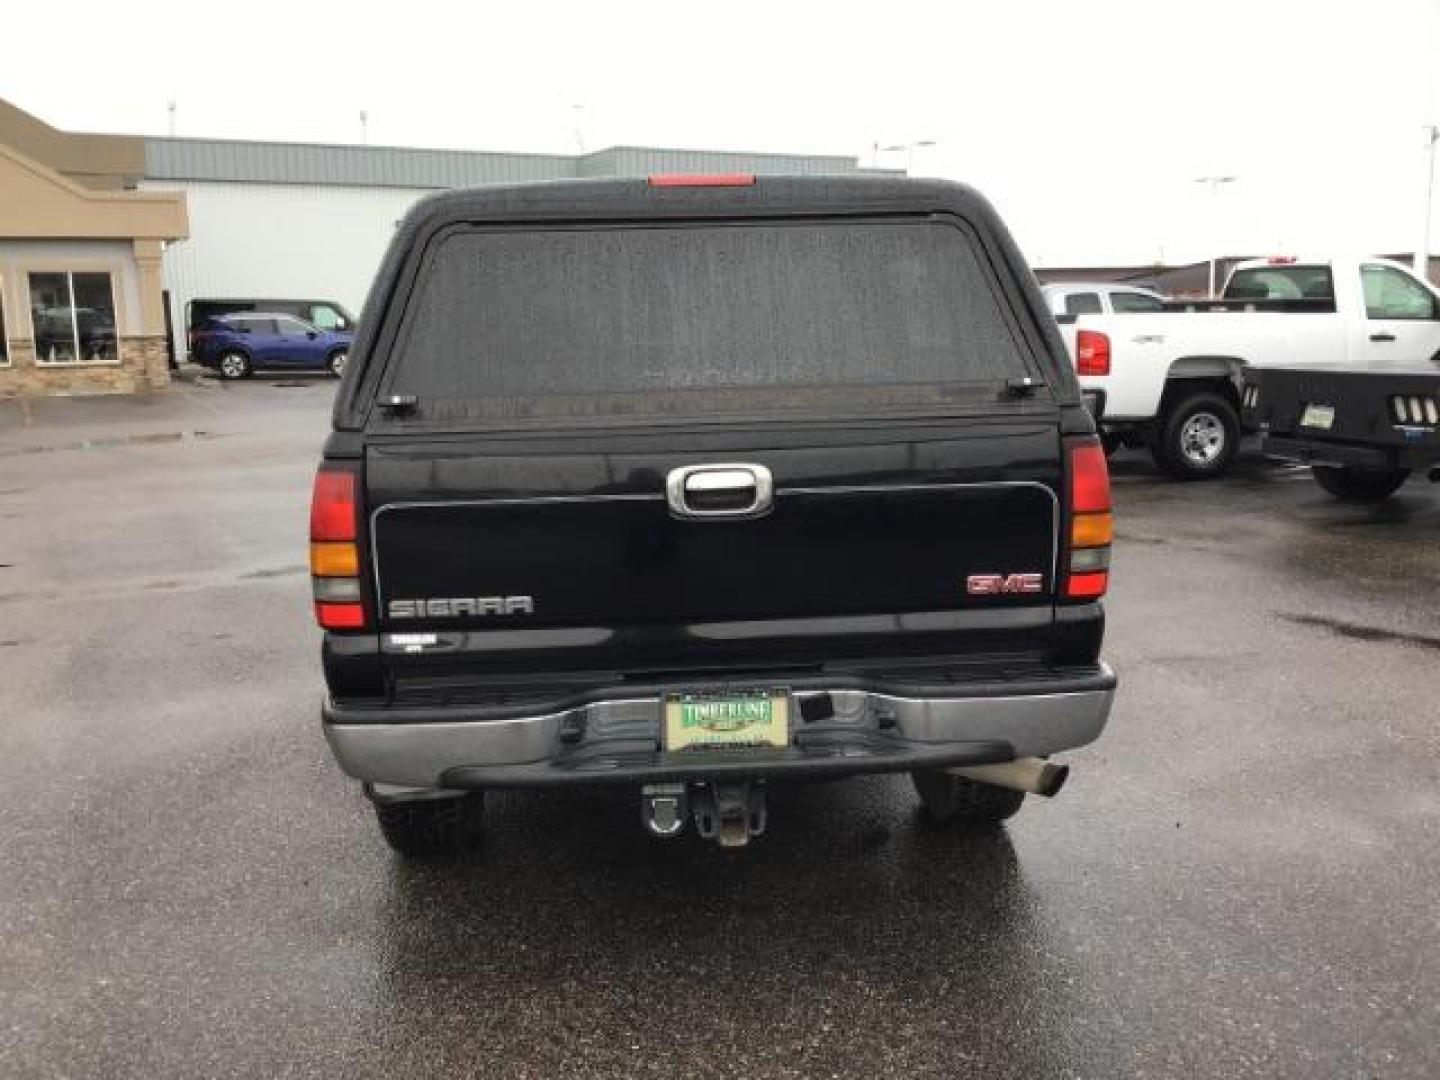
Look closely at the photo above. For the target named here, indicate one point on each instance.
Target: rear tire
(1359, 485)
(954, 799)
(335, 362)
(430, 828)
(233, 365)
(1198, 437)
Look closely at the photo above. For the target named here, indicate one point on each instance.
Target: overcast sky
(1085, 121)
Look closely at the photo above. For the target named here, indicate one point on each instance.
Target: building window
(73, 318)
(327, 317)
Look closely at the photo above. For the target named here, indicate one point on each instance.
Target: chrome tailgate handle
(703, 492)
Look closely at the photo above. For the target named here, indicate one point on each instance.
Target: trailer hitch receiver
(729, 813)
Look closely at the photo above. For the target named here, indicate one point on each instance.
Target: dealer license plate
(733, 718)
(1318, 416)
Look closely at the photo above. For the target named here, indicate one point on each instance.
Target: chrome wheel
(337, 363)
(1202, 438)
(234, 366)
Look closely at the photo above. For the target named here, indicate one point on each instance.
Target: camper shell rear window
(707, 318)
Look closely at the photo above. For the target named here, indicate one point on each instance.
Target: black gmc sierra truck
(697, 484)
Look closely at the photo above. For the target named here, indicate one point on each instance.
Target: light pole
(909, 149)
(364, 127)
(1214, 182)
(1422, 253)
(578, 110)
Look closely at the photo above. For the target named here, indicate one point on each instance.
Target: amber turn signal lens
(1092, 530)
(334, 560)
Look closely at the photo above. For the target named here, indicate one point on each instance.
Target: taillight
(1092, 352)
(335, 551)
(1092, 523)
(1416, 410)
(702, 180)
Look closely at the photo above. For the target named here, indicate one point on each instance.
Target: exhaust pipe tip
(1052, 779)
(1032, 775)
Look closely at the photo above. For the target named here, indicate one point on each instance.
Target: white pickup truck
(1171, 380)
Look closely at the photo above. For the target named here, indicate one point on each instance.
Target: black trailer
(1363, 432)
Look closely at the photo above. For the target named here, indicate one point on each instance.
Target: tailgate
(514, 552)
(1396, 409)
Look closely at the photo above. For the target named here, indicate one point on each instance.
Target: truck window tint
(1390, 294)
(653, 311)
(1281, 283)
(1134, 301)
(1082, 303)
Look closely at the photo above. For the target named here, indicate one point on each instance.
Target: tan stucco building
(81, 309)
(88, 225)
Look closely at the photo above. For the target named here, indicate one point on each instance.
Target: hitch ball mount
(728, 812)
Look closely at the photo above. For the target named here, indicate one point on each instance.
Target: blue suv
(236, 345)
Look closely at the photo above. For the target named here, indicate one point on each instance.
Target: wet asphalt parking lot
(1242, 877)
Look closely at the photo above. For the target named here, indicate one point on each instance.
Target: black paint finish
(865, 554)
(879, 517)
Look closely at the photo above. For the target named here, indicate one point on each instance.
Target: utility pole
(1422, 251)
(1214, 182)
(170, 109)
(364, 127)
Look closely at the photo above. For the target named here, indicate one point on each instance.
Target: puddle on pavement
(273, 572)
(147, 439)
(1361, 632)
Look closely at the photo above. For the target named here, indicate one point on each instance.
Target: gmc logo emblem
(998, 584)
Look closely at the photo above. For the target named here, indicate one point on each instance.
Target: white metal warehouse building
(277, 220)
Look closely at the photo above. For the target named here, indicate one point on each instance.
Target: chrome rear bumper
(617, 739)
